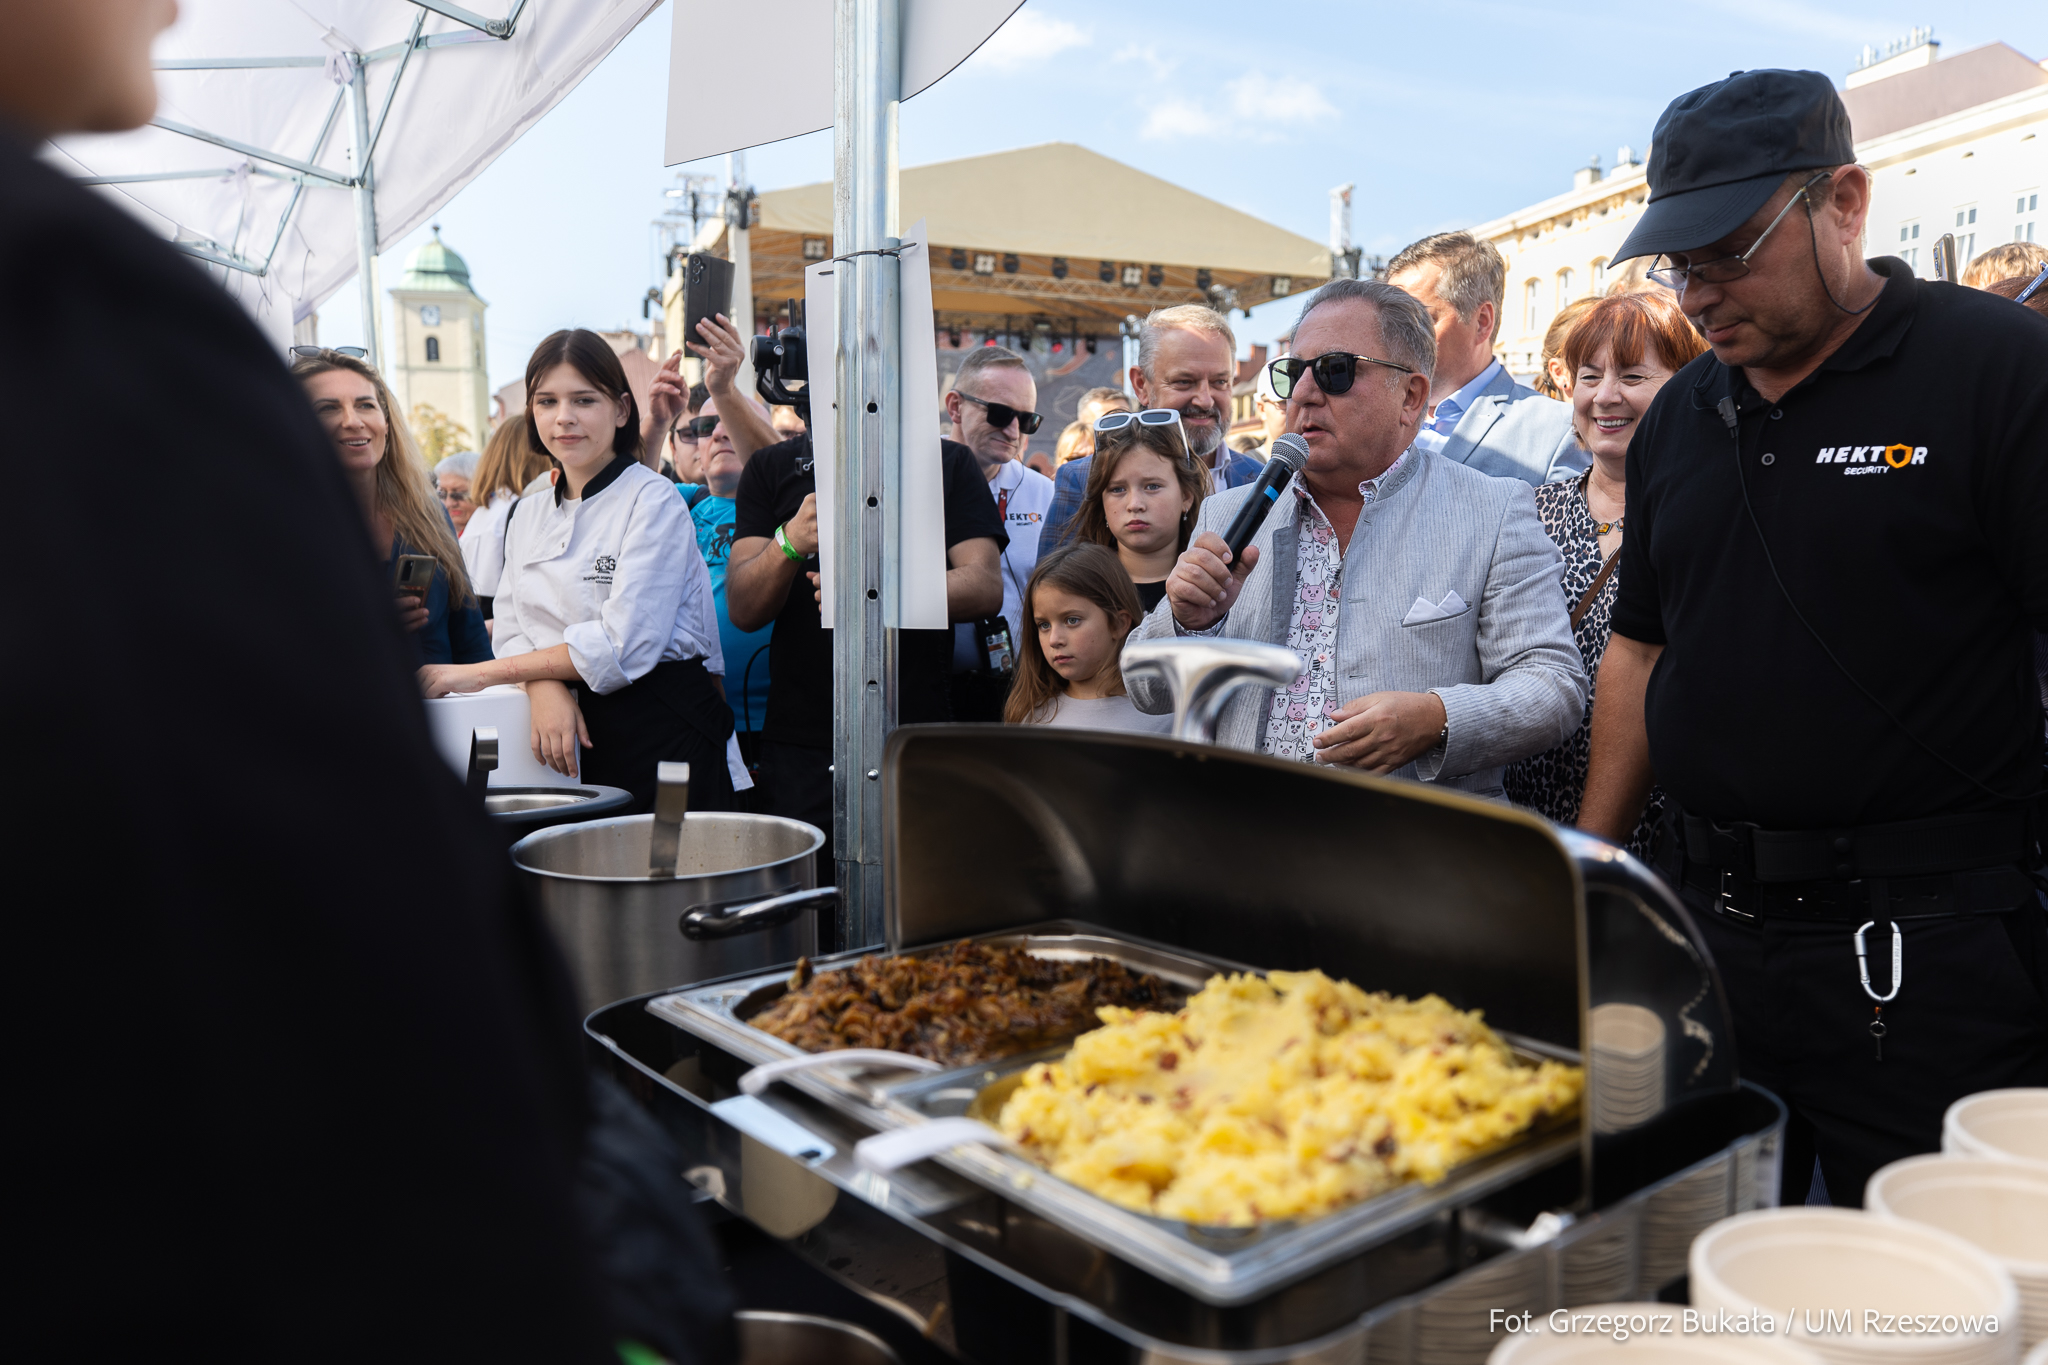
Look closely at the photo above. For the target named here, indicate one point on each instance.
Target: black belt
(1944, 865)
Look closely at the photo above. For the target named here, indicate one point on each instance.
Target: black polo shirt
(777, 480)
(1903, 491)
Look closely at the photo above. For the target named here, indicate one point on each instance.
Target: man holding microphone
(1822, 648)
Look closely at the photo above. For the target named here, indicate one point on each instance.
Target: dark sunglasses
(696, 429)
(1001, 415)
(315, 352)
(1334, 371)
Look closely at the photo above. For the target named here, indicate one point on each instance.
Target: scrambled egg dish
(1281, 1097)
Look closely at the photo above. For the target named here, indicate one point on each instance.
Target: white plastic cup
(2008, 1124)
(1793, 1262)
(1998, 1206)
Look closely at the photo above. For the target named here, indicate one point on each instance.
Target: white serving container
(452, 720)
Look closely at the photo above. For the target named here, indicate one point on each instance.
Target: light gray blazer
(1513, 432)
(1506, 667)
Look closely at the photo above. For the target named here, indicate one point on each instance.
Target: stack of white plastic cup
(1627, 1066)
(1859, 1289)
(2011, 1125)
(1998, 1206)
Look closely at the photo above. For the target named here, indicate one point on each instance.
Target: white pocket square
(1424, 611)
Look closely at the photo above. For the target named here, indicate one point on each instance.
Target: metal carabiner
(1898, 961)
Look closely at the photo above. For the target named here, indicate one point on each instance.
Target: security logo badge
(1873, 459)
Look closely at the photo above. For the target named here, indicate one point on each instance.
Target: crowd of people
(1660, 599)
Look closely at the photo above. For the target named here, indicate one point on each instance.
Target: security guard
(1836, 553)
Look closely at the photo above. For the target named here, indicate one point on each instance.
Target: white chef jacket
(483, 544)
(616, 575)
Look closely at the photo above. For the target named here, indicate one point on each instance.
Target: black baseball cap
(1720, 151)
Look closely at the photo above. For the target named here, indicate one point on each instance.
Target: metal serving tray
(1222, 1266)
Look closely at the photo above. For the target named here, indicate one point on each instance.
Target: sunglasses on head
(315, 352)
(696, 429)
(1334, 371)
(1112, 422)
(1001, 415)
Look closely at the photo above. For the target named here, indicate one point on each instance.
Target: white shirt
(483, 544)
(1435, 434)
(1107, 713)
(615, 575)
(1022, 498)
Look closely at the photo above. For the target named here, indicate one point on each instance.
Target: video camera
(780, 359)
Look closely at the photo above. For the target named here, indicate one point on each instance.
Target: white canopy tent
(264, 107)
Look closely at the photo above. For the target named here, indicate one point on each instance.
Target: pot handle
(900, 1147)
(671, 803)
(483, 759)
(755, 1081)
(719, 920)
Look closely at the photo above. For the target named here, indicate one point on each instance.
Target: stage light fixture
(959, 259)
(1133, 276)
(1010, 263)
(1108, 272)
(1155, 276)
(1059, 267)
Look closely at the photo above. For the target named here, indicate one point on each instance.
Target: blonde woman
(383, 465)
(1077, 442)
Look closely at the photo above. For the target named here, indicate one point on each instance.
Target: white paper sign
(921, 497)
(792, 39)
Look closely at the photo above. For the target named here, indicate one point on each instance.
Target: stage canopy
(1050, 235)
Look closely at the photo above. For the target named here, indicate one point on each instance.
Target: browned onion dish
(959, 1006)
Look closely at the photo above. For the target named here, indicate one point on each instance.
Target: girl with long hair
(1080, 607)
(1144, 490)
(510, 465)
(383, 464)
(604, 611)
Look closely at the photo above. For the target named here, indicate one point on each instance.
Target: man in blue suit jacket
(1187, 361)
(1478, 415)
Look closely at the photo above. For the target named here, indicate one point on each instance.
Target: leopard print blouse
(1553, 782)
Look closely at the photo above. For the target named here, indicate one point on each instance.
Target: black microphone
(1290, 452)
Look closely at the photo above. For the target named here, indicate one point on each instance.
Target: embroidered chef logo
(602, 567)
(1873, 459)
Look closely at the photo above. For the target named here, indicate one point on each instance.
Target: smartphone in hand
(707, 292)
(415, 575)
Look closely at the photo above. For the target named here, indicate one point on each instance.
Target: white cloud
(1174, 118)
(1030, 37)
(1255, 97)
(1148, 55)
(1259, 109)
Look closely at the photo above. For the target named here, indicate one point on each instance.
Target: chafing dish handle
(1202, 674)
(900, 1147)
(723, 921)
(483, 759)
(755, 1081)
(671, 803)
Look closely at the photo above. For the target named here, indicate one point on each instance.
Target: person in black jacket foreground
(295, 1071)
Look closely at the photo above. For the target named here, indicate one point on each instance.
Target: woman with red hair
(1618, 356)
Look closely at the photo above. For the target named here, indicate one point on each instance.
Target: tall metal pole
(366, 212)
(866, 85)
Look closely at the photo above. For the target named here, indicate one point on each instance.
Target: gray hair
(1191, 317)
(463, 464)
(1406, 333)
(1473, 272)
(987, 358)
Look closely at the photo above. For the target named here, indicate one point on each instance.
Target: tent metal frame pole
(366, 210)
(255, 153)
(867, 86)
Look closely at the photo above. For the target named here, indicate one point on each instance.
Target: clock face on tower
(430, 314)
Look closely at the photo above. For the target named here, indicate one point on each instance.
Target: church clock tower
(438, 355)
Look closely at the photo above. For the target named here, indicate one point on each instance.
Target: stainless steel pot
(800, 1339)
(626, 932)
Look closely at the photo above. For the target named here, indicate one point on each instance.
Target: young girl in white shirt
(1079, 607)
(604, 610)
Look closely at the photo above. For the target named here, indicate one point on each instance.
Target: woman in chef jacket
(604, 610)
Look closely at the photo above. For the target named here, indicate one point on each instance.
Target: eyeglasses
(1001, 415)
(1112, 422)
(1334, 371)
(1725, 269)
(696, 429)
(316, 352)
(452, 494)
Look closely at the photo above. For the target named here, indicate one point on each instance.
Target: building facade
(437, 341)
(1953, 146)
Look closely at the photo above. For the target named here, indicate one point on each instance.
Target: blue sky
(1444, 115)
